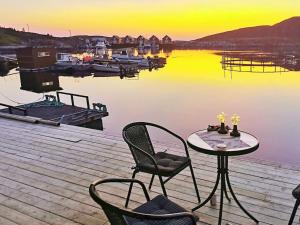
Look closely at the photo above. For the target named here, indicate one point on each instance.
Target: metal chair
(147, 160)
(158, 211)
(296, 194)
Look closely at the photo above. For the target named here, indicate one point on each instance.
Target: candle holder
(222, 129)
(235, 119)
(221, 117)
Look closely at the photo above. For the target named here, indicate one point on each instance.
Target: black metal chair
(296, 194)
(147, 160)
(158, 211)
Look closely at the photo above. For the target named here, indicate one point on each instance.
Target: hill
(281, 35)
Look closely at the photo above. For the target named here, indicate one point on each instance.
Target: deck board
(45, 172)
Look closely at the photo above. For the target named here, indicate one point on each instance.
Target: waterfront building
(166, 40)
(36, 57)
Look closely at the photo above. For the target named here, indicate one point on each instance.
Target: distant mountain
(283, 35)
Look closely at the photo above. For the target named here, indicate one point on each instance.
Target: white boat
(125, 57)
(65, 61)
(100, 49)
(106, 68)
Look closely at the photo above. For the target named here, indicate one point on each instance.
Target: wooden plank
(56, 173)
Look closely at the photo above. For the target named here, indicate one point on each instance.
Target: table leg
(237, 201)
(223, 176)
(214, 189)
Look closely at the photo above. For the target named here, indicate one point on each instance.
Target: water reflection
(187, 94)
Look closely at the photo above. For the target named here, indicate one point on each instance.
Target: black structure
(158, 211)
(296, 194)
(147, 160)
(223, 172)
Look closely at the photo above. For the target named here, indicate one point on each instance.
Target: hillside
(283, 34)
(10, 36)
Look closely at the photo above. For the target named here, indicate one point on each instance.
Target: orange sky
(181, 19)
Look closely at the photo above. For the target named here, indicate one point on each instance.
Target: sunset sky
(181, 19)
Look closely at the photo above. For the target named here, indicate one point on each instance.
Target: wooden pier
(45, 172)
(54, 110)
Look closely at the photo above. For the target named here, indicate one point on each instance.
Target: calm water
(187, 94)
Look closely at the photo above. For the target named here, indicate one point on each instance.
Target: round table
(206, 142)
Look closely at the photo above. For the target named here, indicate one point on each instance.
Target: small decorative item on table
(221, 117)
(235, 119)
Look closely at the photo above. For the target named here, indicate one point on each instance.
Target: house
(154, 41)
(36, 57)
(128, 40)
(166, 40)
(116, 39)
(140, 40)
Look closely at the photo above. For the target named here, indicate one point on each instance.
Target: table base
(223, 176)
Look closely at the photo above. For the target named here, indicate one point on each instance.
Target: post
(72, 99)
(88, 102)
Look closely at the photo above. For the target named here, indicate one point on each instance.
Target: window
(43, 54)
(47, 83)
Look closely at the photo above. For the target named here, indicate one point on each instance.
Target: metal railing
(58, 93)
(11, 108)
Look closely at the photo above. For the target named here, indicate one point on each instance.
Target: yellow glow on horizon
(188, 19)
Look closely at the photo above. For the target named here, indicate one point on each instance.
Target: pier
(53, 109)
(45, 172)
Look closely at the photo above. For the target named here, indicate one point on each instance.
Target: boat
(106, 68)
(67, 62)
(125, 57)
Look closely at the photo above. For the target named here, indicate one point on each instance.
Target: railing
(11, 108)
(72, 98)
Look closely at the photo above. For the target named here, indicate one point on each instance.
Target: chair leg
(195, 183)
(294, 212)
(162, 185)
(130, 189)
(152, 178)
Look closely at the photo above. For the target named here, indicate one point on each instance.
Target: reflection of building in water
(258, 62)
(39, 82)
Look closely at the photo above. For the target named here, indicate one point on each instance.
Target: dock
(53, 109)
(45, 172)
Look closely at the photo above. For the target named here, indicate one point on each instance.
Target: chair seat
(296, 192)
(168, 164)
(159, 205)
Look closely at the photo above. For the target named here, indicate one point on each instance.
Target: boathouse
(140, 39)
(154, 41)
(166, 40)
(128, 40)
(36, 57)
(115, 39)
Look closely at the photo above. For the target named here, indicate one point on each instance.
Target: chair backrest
(136, 134)
(116, 215)
(113, 213)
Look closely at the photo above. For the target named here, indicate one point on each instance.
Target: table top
(203, 141)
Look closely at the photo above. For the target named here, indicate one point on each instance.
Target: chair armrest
(173, 134)
(94, 193)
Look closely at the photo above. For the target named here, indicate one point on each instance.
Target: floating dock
(53, 109)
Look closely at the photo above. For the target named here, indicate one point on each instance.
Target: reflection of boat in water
(106, 68)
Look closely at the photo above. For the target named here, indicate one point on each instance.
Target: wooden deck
(45, 172)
